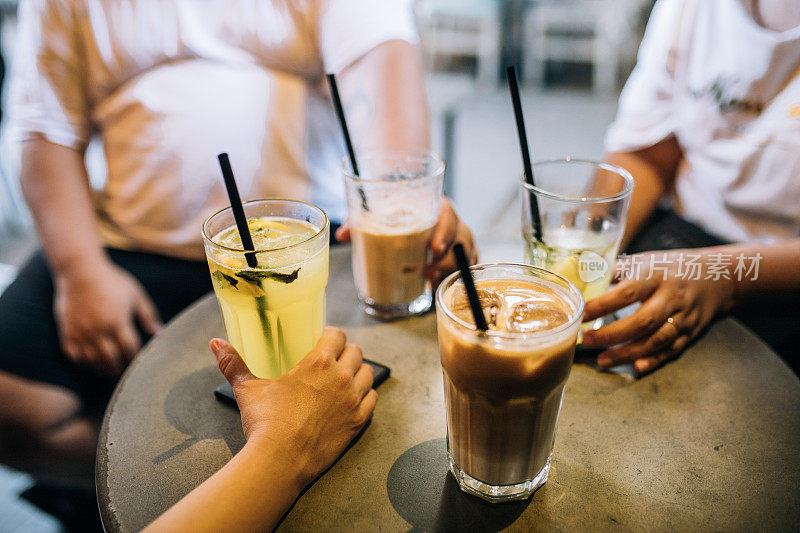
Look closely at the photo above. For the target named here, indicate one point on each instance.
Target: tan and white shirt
(729, 90)
(169, 84)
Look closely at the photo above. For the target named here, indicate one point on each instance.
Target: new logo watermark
(591, 266)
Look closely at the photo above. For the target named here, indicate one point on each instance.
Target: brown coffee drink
(503, 388)
(389, 269)
(393, 202)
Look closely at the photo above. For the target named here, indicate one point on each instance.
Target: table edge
(107, 515)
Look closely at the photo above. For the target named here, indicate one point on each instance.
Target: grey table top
(708, 442)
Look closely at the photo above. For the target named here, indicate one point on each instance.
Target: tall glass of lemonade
(582, 206)
(274, 312)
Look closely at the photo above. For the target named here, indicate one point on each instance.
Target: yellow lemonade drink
(584, 257)
(274, 313)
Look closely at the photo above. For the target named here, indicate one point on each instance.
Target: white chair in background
(461, 28)
(600, 32)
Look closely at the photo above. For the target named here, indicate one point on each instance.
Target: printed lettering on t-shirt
(736, 110)
(722, 91)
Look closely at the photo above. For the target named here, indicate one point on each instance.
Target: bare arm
(95, 301)
(56, 186)
(250, 493)
(384, 98)
(778, 272)
(653, 170)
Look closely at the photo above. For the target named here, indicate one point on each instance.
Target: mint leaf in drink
(223, 278)
(285, 278)
(253, 276)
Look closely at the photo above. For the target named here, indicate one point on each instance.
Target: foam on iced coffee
(395, 211)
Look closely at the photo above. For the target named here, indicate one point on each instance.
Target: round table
(710, 441)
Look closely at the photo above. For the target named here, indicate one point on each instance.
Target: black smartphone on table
(224, 393)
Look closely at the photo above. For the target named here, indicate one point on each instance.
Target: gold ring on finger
(671, 322)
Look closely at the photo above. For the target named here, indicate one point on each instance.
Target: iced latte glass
(392, 207)
(503, 387)
(274, 313)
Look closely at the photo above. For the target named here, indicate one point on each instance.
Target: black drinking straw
(238, 210)
(337, 103)
(469, 285)
(511, 73)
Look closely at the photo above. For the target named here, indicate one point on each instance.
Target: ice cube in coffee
(503, 387)
(392, 208)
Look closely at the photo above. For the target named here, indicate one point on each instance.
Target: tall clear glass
(274, 313)
(583, 206)
(504, 387)
(392, 207)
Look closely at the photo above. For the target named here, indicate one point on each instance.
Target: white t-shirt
(169, 84)
(729, 90)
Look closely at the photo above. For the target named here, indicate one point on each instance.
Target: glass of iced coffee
(274, 310)
(392, 205)
(504, 386)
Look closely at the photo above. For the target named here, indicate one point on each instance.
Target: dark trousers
(31, 348)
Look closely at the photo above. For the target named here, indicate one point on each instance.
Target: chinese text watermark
(690, 266)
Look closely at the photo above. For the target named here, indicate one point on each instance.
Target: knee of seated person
(31, 410)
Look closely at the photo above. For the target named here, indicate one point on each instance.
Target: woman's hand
(312, 412)
(448, 230)
(675, 309)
